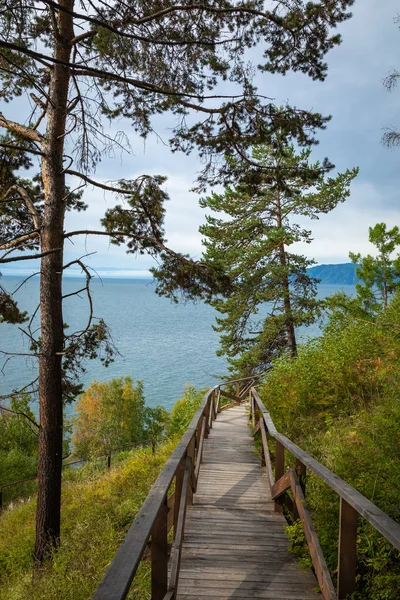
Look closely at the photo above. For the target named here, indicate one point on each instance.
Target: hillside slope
(340, 274)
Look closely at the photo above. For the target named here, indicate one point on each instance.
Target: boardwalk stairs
(213, 524)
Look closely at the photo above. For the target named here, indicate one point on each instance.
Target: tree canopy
(271, 292)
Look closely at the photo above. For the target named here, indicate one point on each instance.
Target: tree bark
(290, 332)
(52, 338)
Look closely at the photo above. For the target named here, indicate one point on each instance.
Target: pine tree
(79, 62)
(271, 293)
(379, 275)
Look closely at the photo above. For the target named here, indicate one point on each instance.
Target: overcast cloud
(361, 108)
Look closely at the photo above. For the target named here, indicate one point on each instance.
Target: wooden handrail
(160, 512)
(352, 502)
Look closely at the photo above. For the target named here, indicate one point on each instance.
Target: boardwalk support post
(279, 469)
(347, 552)
(159, 555)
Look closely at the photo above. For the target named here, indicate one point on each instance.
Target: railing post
(253, 409)
(237, 388)
(159, 555)
(302, 473)
(190, 454)
(178, 493)
(219, 400)
(109, 461)
(347, 553)
(207, 416)
(214, 410)
(279, 468)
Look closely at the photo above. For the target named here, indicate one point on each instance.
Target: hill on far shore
(342, 274)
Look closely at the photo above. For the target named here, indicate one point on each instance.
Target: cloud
(361, 107)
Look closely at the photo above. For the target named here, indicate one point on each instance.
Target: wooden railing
(163, 511)
(352, 504)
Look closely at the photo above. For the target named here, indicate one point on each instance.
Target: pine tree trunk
(291, 336)
(52, 338)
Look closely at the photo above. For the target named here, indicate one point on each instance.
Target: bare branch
(18, 241)
(27, 201)
(20, 149)
(26, 132)
(18, 412)
(29, 257)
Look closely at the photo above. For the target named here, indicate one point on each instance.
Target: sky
(361, 109)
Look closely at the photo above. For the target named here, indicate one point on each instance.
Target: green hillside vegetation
(98, 507)
(340, 401)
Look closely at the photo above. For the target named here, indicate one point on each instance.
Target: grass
(97, 510)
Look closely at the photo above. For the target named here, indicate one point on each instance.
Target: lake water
(163, 344)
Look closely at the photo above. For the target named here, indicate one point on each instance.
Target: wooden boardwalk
(235, 545)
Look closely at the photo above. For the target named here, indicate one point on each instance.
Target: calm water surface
(163, 344)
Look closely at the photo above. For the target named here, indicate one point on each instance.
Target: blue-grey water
(163, 344)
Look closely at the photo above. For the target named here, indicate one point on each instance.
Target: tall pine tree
(271, 293)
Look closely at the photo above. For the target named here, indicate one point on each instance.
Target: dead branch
(17, 242)
(27, 201)
(29, 257)
(26, 132)
(19, 149)
(18, 412)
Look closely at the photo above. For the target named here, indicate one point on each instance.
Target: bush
(184, 410)
(340, 401)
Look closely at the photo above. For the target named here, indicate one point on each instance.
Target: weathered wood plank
(347, 550)
(235, 545)
(231, 396)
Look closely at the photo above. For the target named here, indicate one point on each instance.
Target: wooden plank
(218, 400)
(159, 555)
(324, 579)
(171, 511)
(283, 484)
(267, 457)
(200, 451)
(177, 549)
(279, 469)
(235, 545)
(231, 396)
(347, 550)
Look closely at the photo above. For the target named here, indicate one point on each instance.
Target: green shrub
(184, 410)
(340, 401)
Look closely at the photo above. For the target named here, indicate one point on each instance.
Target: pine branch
(29, 257)
(28, 203)
(17, 242)
(26, 132)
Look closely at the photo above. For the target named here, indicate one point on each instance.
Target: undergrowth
(97, 510)
(98, 507)
(340, 401)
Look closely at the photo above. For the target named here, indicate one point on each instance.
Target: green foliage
(109, 415)
(113, 414)
(339, 400)
(380, 275)
(18, 443)
(271, 292)
(155, 423)
(184, 410)
(97, 510)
